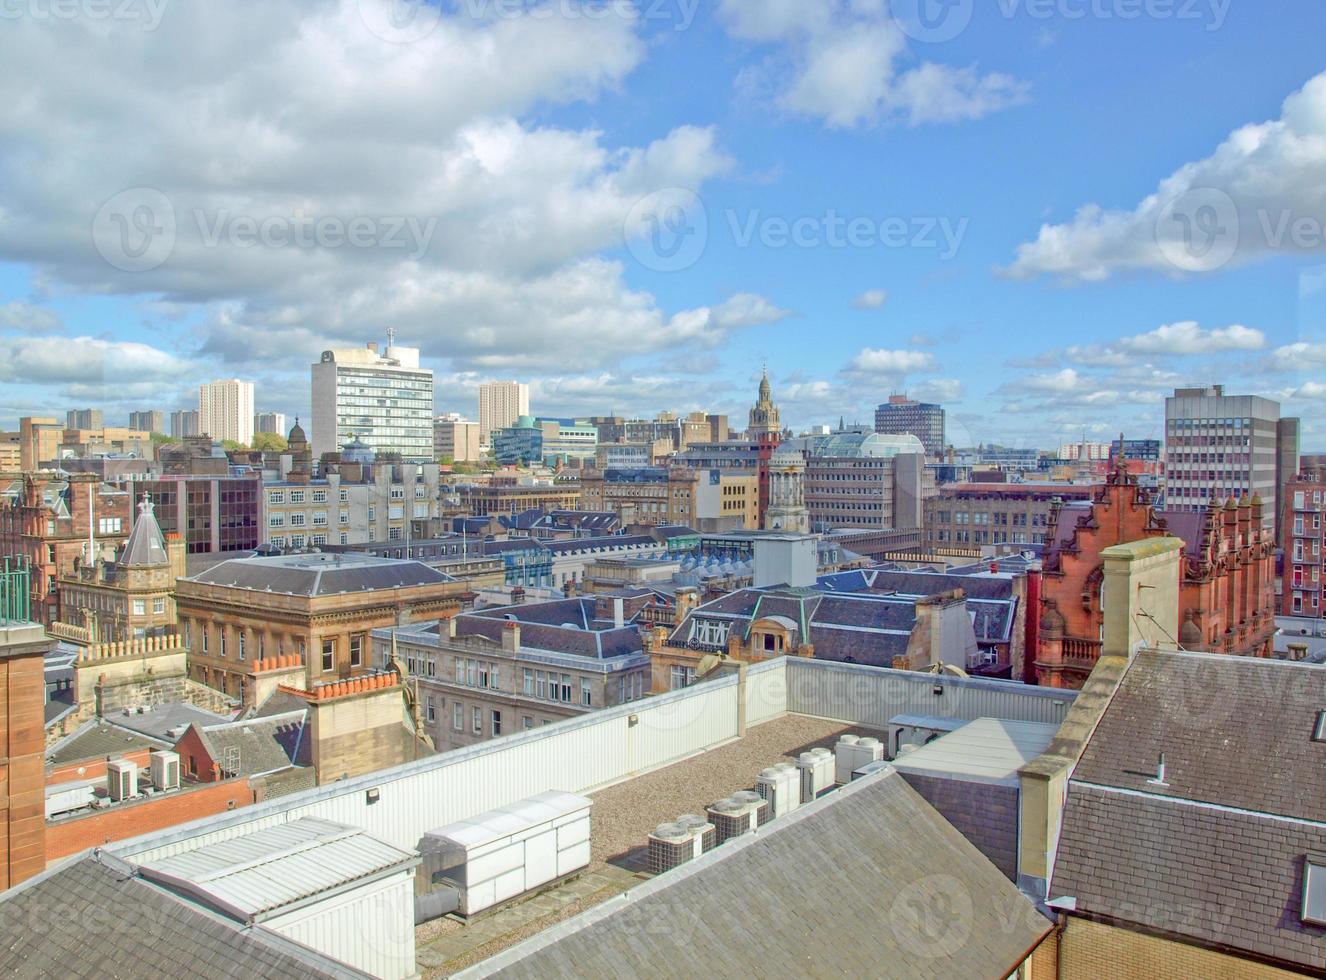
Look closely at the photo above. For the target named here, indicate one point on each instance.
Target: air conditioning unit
(816, 769)
(121, 780)
(672, 845)
(763, 812)
(700, 827)
(165, 768)
(852, 752)
(871, 768)
(780, 785)
(732, 817)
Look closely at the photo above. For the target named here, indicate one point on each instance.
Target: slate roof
(86, 919)
(97, 739)
(166, 721)
(923, 903)
(320, 574)
(1215, 855)
(263, 745)
(146, 547)
(561, 626)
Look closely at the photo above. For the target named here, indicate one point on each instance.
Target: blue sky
(502, 165)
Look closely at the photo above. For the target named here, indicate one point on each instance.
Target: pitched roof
(88, 919)
(258, 745)
(924, 903)
(146, 547)
(97, 739)
(320, 574)
(1212, 853)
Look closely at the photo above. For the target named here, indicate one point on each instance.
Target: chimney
(511, 638)
(618, 612)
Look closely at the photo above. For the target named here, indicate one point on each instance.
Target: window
(529, 681)
(682, 677)
(205, 631)
(296, 496)
(345, 495)
(296, 520)
(276, 520)
(460, 671)
(1314, 890)
(566, 688)
(357, 652)
(276, 497)
(526, 721)
(319, 496)
(586, 692)
(328, 654)
(432, 710)
(495, 721)
(243, 652)
(222, 633)
(140, 607)
(110, 525)
(478, 721)
(159, 605)
(540, 684)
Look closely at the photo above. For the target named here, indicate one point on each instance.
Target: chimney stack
(618, 612)
(511, 638)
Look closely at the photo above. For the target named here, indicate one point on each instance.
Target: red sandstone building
(1301, 531)
(1226, 596)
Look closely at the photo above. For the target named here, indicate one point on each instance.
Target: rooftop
(988, 750)
(315, 575)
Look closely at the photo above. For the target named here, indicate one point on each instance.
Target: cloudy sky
(1045, 214)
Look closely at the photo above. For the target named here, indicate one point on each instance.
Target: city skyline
(1038, 288)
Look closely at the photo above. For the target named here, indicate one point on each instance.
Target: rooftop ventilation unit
(732, 817)
(816, 768)
(672, 845)
(165, 767)
(701, 828)
(121, 780)
(871, 768)
(851, 753)
(781, 787)
(764, 813)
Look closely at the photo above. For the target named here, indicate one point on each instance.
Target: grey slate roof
(321, 574)
(86, 919)
(164, 721)
(1215, 855)
(97, 739)
(146, 547)
(868, 882)
(262, 745)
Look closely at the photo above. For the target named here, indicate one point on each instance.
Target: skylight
(1314, 890)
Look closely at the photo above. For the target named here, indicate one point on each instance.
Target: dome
(296, 435)
(872, 445)
(357, 451)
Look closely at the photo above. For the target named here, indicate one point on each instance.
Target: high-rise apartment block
(900, 416)
(149, 421)
(270, 422)
(383, 399)
(85, 418)
(1220, 447)
(184, 424)
(225, 411)
(501, 404)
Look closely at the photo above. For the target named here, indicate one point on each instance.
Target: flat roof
(987, 750)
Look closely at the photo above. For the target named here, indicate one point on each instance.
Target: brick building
(964, 517)
(50, 519)
(1301, 538)
(712, 500)
(1227, 576)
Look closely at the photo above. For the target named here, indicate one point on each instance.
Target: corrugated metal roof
(277, 867)
(508, 820)
(987, 750)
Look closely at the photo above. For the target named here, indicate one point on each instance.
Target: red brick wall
(22, 779)
(94, 768)
(195, 761)
(66, 837)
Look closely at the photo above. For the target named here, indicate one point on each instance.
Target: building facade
(964, 517)
(765, 423)
(225, 411)
(713, 500)
(547, 442)
(351, 504)
(1302, 539)
(901, 416)
(1226, 586)
(511, 495)
(456, 439)
(512, 669)
(84, 418)
(384, 400)
(148, 421)
(855, 479)
(185, 424)
(271, 423)
(1219, 446)
(321, 608)
(213, 514)
(787, 493)
(39, 441)
(501, 405)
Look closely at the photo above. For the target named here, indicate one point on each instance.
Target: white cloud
(23, 317)
(891, 362)
(1299, 356)
(871, 299)
(941, 390)
(1236, 205)
(1060, 381)
(1173, 339)
(842, 61)
(85, 360)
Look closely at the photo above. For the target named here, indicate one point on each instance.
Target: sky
(1045, 214)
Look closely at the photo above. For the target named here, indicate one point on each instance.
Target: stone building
(129, 595)
(964, 517)
(765, 420)
(712, 500)
(317, 607)
(1226, 597)
(787, 493)
(51, 520)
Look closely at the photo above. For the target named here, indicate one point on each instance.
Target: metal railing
(15, 591)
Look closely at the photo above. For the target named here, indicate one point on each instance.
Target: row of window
(476, 717)
(222, 647)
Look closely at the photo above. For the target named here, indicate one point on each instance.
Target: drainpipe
(741, 700)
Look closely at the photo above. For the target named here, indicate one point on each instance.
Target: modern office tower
(385, 400)
(900, 416)
(184, 424)
(85, 418)
(225, 410)
(456, 438)
(270, 422)
(149, 421)
(501, 404)
(1219, 447)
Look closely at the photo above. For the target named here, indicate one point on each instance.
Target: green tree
(270, 442)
